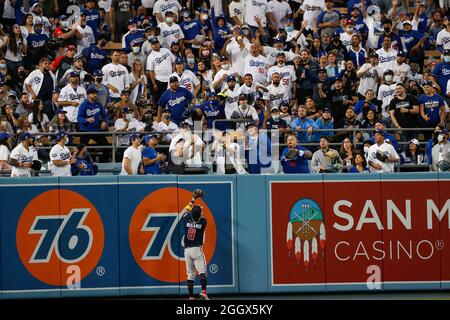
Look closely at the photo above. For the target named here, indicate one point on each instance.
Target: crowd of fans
(248, 86)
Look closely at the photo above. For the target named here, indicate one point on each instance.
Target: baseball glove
(332, 154)
(292, 154)
(198, 193)
(443, 165)
(36, 165)
(381, 156)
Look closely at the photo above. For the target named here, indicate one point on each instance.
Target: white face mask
(243, 106)
(225, 66)
(440, 138)
(276, 117)
(388, 78)
(204, 16)
(136, 49)
(169, 19)
(129, 116)
(366, 149)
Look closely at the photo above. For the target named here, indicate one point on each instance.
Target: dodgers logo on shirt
(155, 235)
(54, 240)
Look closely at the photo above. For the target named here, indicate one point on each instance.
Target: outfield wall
(114, 235)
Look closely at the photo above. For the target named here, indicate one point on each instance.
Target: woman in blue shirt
(359, 164)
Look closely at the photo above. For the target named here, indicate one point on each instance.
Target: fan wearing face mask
(133, 39)
(36, 43)
(386, 92)
(127, 123)
(441, 72)
(440, 153)
(170, 30)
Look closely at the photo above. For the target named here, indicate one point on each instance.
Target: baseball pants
(195, 261)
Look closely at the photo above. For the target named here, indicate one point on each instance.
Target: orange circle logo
(156, 232)
(58, 229)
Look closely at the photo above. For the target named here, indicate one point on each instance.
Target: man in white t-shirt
(160, 65)
(386, 55)
(132, 157)
(115, 77)
(287, 73)
(22, 156)
(237, 12)
(86, 32)
(370, 73)
(259, 10)
(128, 123)
(237, 48)
(276, 92)
(382, 155)
(165, 125)
(60, 156)
(443, 38)
(311, 10)
(386, 92)
(244, 111)
(401, 68)
(226, 71)
(280, 10)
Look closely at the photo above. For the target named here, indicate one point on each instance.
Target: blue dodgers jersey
(191, 29)
(442, 72)
(151, 153)
(36, 40)
(95, 57)
(431, 106)
(177, 102)
(133, 38)
(298, 165)
(213, 111)
(193, 231)
(92, 20)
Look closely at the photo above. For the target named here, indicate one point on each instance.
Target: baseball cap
(350, 21)
(56, 90)
(130, 21)
(154, 40)
(275, 40)
(322, 70)
(336, 34)
(284, 103)
(337, 79)
(288, 20)
(147, 137)
(250, 124)
(60, 134)
(126, 110)
(389, 72)
(279, 54)
(74, 74)
(211, 94)
(5, 135)
(230, 78)
(407, 22)
(223, 58)
(184, 124)
(174, 43)
(444, 131)
(62, 17)
(401, 54)
(124, 91)
(243, 96)
(379, 131)
(60, 111)
(374, 55)
(70, 47)
(91, 89)
(173, 79)
(245, 26)
(446, 52)
(24, 136)
(274, 109)
(98, 73)
(179, 60)
(415, 141)
(387, 21)
(427, 83)
(326, 110)
(133, 137)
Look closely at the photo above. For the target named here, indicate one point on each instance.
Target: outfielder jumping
(194, 225)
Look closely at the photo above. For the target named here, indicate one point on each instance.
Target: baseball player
(194, 225)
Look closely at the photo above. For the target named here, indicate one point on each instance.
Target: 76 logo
(67, 236)
(167, 230)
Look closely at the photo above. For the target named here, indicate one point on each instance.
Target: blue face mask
(38, 31)
(289, 28)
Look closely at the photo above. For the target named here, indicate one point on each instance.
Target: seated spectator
(369, 121)
(244, 111)
(84, 165)
(413, 155)
(326, 121)
(286, 112)
(359, 164)
(382, 155)
(303, 125)
(367, 103)
(165, 125)
(294, 158)
(5, 151)
(38, 117)
(313, 111)
(152, 161)
(178, 99)
(347, 152)
(276, 123)
(125, 102)
(325, 159)
(60, 122)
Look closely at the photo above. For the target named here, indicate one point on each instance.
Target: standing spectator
(237, 12)
(60, 157)
(87, 37)
(325, 159)
(382, 156)
(186, 78)
(256, 65)
(356, 53)
(386, 55)
(171, 31)
(71, 96)
(328, 19)
(92, 17)
(403, 110)
(16, 48)
(132, 157)
(259, 10)
(96, 55)
(36, 44)
(303, 125)
(22, 156)
(231, 93)
(4, 151)
(278, 124)
(92, 118)
(138, 87)
(294, 158)
(51, 106)
(38, 116)
(119, 13)
(127, 123)
(280, 11)
(287, 73)
(276, 92)
(258, 150)
(177, 99)
(244, 111)
(386, 93)
(227, 155)
(339, 101)
(162, 6)
(160, 65)
(306, 69)
(151, 159)
(133, 37)
(322, 89)
(115, 75)
(431, 109)
(64, 62)
(400, 68)
(102, 90)
(40, 83)
(192, 28)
